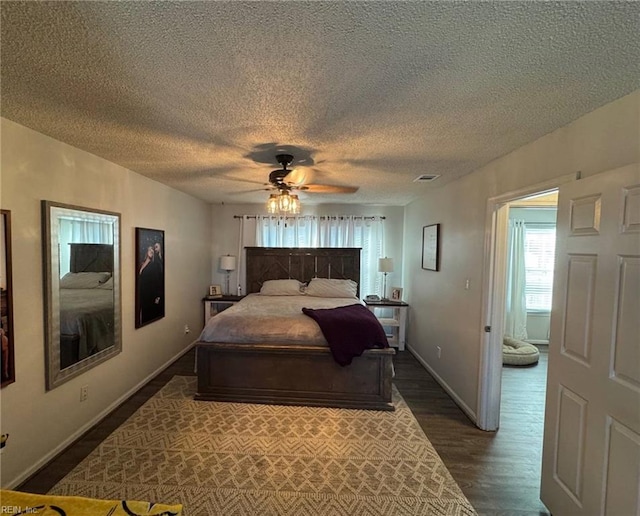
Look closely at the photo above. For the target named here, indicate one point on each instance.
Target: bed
(276, 368)
(86, 303)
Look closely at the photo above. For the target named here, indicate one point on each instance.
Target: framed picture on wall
(150, 291)
(7, 363)
(431, 247)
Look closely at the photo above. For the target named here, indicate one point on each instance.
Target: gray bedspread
(88, 315)
(271, 319)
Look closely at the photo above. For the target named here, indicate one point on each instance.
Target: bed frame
(294, 374)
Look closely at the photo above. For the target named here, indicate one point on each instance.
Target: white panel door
(591, 452)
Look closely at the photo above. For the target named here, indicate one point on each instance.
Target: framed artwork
(215, 291)
(7, 364)
(150, 295)
(431, 247)
(396, 294)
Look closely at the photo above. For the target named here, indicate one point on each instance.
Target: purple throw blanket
(349, 330)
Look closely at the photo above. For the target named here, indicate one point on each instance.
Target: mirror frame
(9, 331)
(51, 266)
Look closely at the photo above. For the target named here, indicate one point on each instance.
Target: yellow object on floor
(18, 503)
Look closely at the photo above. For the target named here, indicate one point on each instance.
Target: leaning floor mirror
(82, 289)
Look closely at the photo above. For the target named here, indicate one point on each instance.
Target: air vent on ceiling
(425, 178)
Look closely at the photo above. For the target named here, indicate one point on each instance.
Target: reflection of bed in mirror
(86, 303)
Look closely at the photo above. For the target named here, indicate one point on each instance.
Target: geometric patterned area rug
(244, 459)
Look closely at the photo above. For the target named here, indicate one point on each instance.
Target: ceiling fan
(286, 180)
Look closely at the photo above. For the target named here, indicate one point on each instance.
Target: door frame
(493, 297)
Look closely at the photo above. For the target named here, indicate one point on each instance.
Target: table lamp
(385, 265)
(227, 264)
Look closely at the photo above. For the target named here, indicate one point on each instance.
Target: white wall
(442, 312)
(225, 232)
(36, 167)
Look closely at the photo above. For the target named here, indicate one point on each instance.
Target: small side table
(397, 322)
(215, 305)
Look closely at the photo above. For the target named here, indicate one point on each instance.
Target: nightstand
(396, 323)
(215, 305)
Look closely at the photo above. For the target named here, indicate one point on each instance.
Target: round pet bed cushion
(518, 352)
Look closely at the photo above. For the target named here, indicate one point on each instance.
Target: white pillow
(323, 287)
(84, 279)
(282, 287)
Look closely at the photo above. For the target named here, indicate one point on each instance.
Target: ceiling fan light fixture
(272, 203)
(295, 204)
(283, 203)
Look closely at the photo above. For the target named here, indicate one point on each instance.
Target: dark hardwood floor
(498, 471)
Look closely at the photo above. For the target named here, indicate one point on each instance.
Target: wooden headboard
(91, 258)
(301, 263)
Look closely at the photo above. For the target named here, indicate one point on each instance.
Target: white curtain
(300, 231)
(342, 231)
(516, 307)
(73, 231)
(246, 238)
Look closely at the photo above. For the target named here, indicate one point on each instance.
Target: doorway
(531, 234)
(515, 396)
(494, 296)
(530, 253)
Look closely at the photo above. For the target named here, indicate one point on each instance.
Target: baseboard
(85, 428)
(458, 401)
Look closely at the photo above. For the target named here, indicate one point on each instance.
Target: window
(539, 251)
(74, 230)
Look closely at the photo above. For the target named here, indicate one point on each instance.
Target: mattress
(271, 319)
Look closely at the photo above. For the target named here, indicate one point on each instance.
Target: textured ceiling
(200, 95)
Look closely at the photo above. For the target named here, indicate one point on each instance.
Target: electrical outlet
(186, 329)
(84, 392)
(439, 350)
(467, 284)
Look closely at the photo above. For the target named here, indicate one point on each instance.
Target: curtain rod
(312, 216)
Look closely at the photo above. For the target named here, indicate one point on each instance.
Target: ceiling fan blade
(253, 190)
(298, 176)
(329, 189)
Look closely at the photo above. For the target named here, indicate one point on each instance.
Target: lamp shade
(228, 263)
(385, 265)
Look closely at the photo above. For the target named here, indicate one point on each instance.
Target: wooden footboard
(282, 374)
